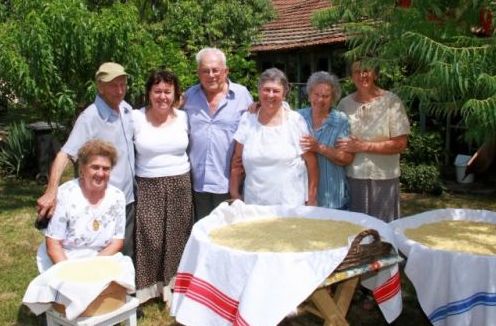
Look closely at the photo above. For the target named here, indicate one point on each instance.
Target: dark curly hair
(168, 77)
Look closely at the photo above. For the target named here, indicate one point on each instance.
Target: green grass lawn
(19, 241)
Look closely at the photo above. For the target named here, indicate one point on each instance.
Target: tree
(50, 49)
(430, 51)
(231, 25)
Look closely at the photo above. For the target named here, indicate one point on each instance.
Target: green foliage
(50, 49)
(420, 162)
(423, 147)
(428, 53)
(231, 25)
(422, 178)
(17, 155)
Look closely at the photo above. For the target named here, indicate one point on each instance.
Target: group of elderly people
(183, 154)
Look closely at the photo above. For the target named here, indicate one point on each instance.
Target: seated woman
(89, 218)
(278, 171)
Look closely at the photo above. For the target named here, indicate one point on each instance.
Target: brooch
(96, 225)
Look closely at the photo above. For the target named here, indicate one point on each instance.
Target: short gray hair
(275, 75)
(96, 147)
(217, 52)
(323, 77)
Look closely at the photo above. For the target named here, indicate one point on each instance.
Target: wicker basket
(360, 254)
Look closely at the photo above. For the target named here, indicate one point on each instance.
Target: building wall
(299, 64)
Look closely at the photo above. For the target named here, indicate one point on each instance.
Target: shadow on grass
(26, 317)
(417, 203)
(18, 194)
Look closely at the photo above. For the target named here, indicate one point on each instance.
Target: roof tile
(292, 28)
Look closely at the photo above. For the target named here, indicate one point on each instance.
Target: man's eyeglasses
(212, 71)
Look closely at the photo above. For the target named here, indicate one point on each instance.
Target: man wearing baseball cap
(107, 118)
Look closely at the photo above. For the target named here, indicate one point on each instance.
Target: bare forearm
(114, 247)
(58, 167)
(392, 146)
(237, 172)
(313, 177)
(55, 250)
(334, 155)
(45, 205)
(235, 184)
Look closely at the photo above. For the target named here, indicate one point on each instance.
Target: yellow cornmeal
(89, 271)
(473, 237)
(285, 234)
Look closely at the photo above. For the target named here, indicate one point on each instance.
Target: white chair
(126, 313)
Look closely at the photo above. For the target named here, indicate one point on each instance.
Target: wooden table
(332, 305)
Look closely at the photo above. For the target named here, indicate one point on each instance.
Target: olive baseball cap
(109, 71)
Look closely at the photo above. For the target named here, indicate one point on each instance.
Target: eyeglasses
(211, 71)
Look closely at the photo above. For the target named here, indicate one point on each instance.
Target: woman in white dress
(277, 170)
(89, 218)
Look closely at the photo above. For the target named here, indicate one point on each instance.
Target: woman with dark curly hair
(164, 206)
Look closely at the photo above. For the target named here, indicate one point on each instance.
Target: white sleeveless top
(161, 151)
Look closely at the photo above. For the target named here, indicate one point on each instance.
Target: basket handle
(362, 235)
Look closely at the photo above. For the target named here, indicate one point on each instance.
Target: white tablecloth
(452, 288)
(216, 285)
(47, 288)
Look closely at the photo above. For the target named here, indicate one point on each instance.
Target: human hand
(311, 202)
(45, 205)
(350, 144)
(309, 143)
(182, 100)
(235, 195)
(254, 107)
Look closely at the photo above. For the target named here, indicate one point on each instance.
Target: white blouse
(81, 226)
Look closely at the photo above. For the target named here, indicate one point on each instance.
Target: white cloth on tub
(76, 297)
(216, 285)
(453, 288)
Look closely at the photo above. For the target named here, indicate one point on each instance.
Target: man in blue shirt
(214, 108)
(108, 118)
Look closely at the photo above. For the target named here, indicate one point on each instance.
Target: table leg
(344, 293)
(331, 313)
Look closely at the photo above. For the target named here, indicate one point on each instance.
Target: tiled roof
(292, 28)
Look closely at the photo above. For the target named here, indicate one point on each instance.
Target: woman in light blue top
(327, 125)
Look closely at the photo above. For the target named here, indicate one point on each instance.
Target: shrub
(420, 162)
(421, 178)
(423, 147)
(17, 155)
